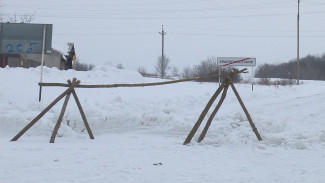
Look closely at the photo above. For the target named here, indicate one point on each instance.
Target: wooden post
(82, 113)
(203, 114)
(42, 62)
(223, 96)
(29, 125)
(245, 110)
(58, 123)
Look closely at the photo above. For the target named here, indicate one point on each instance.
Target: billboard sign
(236, 61)
(25, 38)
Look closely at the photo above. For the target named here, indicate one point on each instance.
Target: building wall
(50, 60)
(18, 62)
(4, 59)
(32, 60)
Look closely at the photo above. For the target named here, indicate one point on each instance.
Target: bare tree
(162, 66)
(82, 66)
(207, 67)
(12, 18)
(1, 18)
(142, 70)
(175, 71)
(25, 18)
(119, 66)
(187, 72)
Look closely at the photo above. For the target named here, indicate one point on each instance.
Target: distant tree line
(84, 67)
(311, 68)
(14, 18)
(208, 67)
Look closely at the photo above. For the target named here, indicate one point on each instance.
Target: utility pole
(163, 33)
(298, 44)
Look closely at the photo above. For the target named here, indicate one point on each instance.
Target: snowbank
(290, 120)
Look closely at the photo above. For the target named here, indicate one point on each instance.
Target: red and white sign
(236, 61)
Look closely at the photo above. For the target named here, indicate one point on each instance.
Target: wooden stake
(245, 110)
(58, 123)
(205, 130)
(82, 113)
(29, 125)
(203, 114)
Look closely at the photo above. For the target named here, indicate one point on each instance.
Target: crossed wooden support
(67, 94)
(223, 87)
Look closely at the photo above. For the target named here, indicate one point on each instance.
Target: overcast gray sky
(127, 31)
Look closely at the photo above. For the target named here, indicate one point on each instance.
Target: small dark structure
(71, 56)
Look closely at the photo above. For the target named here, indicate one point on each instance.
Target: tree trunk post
(245, 110)
(58, 123)
(203, 114)
(205, 130)
(82, 113)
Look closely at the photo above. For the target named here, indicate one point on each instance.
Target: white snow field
(139, 132)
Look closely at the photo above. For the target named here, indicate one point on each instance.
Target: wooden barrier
(67, 94)
(75, 84)
(224, 86)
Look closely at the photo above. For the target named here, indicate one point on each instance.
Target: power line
(124, 4)
(171, 17)
(187, 34)
(221, 8)
(244, 36)
(104, 34)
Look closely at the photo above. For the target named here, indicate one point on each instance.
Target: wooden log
(205, 130)
(203, 114)
(90, 133)
(245, 110)
(138, 84)
(29, 125)
(58, 123)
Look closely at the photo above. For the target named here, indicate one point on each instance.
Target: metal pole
(219, 74)
(42, 63)
(298, 45)
(252, 79)
(162, 53)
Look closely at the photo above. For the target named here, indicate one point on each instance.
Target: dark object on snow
(157, 164)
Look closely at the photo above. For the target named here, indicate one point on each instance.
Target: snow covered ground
(139, 132)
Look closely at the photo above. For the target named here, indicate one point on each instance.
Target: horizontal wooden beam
(141, 84)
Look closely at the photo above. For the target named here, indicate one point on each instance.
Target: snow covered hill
(139, 131)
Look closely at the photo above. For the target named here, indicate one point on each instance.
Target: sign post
(42, 64)
(237, 61)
